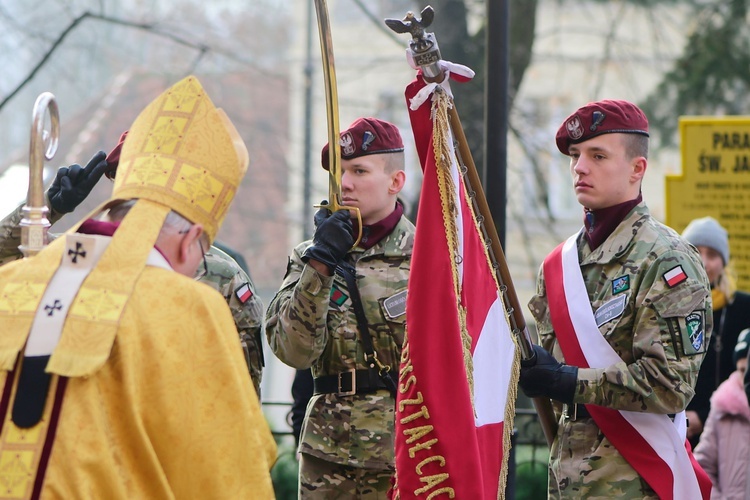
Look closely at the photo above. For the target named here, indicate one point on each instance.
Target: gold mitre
(184, 153)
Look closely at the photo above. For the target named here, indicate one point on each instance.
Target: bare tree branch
(539, 180)
(378, 22)
(45, 58)
(150, 27)
(608, 41)
(196, 61)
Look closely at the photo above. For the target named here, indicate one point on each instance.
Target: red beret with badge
(367, 136)
(113, 158)
(608, 116)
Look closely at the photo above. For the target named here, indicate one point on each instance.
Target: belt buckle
(572, 416)
(352, 373)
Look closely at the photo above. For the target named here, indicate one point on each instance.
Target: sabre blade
(332, 111)
(332, 116)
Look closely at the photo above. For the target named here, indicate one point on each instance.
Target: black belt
(578, 411)
(575, 412)
(349, 382)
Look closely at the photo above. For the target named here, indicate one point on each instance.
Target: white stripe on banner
(493, 364)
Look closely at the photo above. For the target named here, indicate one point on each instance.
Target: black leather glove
(543, 375)
(333, 238)
(74, 183)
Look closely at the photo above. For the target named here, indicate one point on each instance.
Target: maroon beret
(113, 158)
(601, 117)
(367, 136)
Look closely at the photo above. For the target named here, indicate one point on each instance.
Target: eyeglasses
(203, 253)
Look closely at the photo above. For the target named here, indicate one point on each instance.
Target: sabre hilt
(335, 205)
(423, 45)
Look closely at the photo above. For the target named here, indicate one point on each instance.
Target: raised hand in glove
(333, 238)
(74, 183)
(543, 375)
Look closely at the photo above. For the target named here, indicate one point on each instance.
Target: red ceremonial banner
(459, 367)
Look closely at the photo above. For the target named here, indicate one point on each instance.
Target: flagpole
(426, 54)
(543, 406)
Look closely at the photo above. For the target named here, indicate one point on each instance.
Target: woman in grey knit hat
(731, 316)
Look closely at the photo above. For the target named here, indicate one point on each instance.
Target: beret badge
(598, 117)
(366, 136)
(367, 139)
(575, 130)
(347, 144)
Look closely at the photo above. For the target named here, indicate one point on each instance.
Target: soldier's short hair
(636, 145)
(394, 162)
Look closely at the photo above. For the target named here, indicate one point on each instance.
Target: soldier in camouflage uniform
(226, 276)
(627, 260)
(71, 186)
(346, 447)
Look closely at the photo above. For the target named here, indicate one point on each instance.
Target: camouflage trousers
(320, 479)
(584, 464)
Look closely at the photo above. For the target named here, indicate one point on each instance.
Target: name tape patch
(610, 310)
(395, 305)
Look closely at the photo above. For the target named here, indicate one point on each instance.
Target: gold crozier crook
(332, 108)
(35, 225)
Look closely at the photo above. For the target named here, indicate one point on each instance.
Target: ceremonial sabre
(332, 108)
(34, 224)
(426, 54)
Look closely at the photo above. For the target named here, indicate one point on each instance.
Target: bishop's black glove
(74, 183)
(333, 238)
(543, 375)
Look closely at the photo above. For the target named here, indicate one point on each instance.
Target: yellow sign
(715, 181)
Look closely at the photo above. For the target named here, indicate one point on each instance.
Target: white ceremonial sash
(653, 444)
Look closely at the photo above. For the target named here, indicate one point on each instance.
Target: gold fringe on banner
(442, 141)
(444, 155)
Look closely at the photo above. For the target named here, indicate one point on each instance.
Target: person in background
(731, 314)
(724, 447)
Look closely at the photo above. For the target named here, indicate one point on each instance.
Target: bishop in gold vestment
(120, 376)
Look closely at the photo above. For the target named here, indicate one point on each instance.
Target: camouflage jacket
(311, 323)
(227, 277)
(224, 275)
(660, 363)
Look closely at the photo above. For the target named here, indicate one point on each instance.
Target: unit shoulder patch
(675, 276)
(338, 297)
(694, 333)
(244, 293)
(621, 284)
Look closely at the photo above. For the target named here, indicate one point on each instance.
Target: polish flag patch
(675, 276)
(244, 293)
